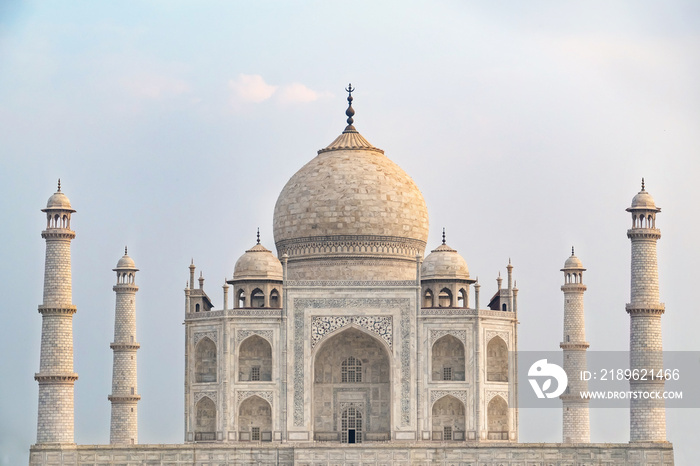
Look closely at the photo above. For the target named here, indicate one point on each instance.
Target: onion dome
(444, 263)
(126, 263)
(58, 201)
(350, 201)
(643, 201)
(258, 263)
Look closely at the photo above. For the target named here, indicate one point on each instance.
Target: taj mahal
(351, 341)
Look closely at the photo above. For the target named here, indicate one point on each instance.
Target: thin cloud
(251, 88)
(298, 93)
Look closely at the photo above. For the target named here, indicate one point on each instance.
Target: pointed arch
(445, 298)
(255, 419)
(275, 299)
(352, 367)
(257, 298)
(428, 298)
(448, 359)
(240, 299)
(255, 360)
(497, 418)
(205, 361)
(205, 420)
(448, 418)
(497, 360)
(462, 298)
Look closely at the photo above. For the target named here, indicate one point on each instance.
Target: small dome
(258, 263)
(573, 262)
(58, 201)
(643, 200)
(126, 263)
(444, 263)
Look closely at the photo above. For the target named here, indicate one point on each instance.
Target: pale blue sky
(174, 126)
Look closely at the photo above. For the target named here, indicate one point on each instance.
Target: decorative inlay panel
(300, 307)
(212, 395)
(450, 311)
(321, 326)
(489, 334)
(490, 394)
(243, 334)
(461, 395)
(381, 246)
(241, 395)
(212, 335)
(359, 283)
(461, 335)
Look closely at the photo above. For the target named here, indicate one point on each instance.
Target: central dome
(350, 202)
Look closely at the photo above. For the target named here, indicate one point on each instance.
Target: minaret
(56, 377)
(647, 415)
(576, 424)
(124, 397)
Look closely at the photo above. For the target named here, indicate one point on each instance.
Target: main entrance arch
(352, 388)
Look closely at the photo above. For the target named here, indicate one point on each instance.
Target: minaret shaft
(575, 418)
(647, 414)
(124, 397)
(55, 416)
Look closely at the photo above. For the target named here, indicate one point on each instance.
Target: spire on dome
(642, 184)
(59, 185)
(125, 251)
(443, 235)
(350, 112)
(572, 251)
(258, 235)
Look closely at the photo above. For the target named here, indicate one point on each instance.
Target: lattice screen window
(446, 373)
(447, 433)
(255, 433)
(351, 370)
(255, 373)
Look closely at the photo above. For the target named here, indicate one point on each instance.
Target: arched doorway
(352, 390)
(497, 360)
(255, 420)
(205, 420)
(255, 360)
(448, 359)
(448, 419)
(351, 425)
(497, 413)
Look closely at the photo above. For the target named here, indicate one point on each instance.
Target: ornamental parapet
(644, 233)
(58, 233)
(124, 398)
(66, 309)
(48, 378)
(370, 246)
(457, 311)
(574, 346)
(646, 308)
(125, 346)
(242, 312)
(573, 287)
(125, 287)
